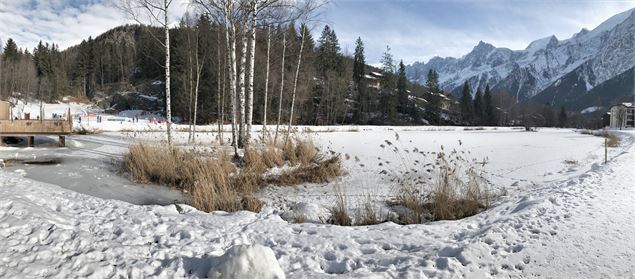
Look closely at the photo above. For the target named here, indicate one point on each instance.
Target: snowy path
(582, 227)
(598, 239)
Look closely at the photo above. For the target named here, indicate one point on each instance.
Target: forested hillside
(332, 88)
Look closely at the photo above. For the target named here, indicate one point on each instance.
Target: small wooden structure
(32, 127)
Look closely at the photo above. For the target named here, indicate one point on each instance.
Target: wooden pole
(606, 149)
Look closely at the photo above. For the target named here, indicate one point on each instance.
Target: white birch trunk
(220, 103)
(199, 69)
(231, 68)
(168, 108)
(295, 82)
(264, 115)
(190, 79)
(241, 89)
(284, 48)
(250, 80)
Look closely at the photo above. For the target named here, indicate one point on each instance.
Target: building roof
(628, 105)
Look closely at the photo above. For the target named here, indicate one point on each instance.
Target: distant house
(374, 80)
(623, 116)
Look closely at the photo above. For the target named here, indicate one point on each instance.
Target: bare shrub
(339, 211)
(367, 215)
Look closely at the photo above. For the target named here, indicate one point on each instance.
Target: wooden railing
(36, 127)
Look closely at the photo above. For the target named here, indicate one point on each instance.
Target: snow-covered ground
(556, 219)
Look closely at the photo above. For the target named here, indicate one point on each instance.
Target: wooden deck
(32, 128)
(35, 127)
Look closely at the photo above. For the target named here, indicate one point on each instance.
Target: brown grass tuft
(251, 203)
(612, 139)
(339, 211)
(299, 217)
(321, 171)
(367, 215)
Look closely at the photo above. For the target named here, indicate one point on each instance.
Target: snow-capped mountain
(592, 56)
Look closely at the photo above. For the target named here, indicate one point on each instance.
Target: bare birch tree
(221, 104)
(284, 48)
(199, 70)
(242, 68)
(250, 76)
(266, 98)
(295, 80)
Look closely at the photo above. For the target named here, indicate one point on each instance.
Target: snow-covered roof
(590, 109)
(628, 105)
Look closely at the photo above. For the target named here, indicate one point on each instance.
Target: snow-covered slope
(595, 56)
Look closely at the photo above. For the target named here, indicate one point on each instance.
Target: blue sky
(416, 30)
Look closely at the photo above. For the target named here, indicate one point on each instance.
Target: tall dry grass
(208, 181)
(215, 182)
(438, 186)
(339, 211)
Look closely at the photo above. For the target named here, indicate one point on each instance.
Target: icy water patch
(86, 166)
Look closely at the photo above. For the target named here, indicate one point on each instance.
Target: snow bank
(247, 261)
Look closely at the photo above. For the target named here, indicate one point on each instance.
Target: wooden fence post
(606, 149)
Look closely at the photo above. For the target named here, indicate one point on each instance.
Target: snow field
(576, 226)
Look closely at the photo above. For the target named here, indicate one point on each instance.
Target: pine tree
(328, 57)
(478, 107)
(433, 106)
(359, 65)
(402, 93)
(548, 115)
(388, 86)
(466, 104)
(562, 118)
(490, 110)
(330, 69)
(10, 52)
(359, 61)
(432, 83)
(387, 62)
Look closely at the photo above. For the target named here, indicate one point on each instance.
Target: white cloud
(63, 22)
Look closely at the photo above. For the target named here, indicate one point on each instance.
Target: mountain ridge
(595, 56)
